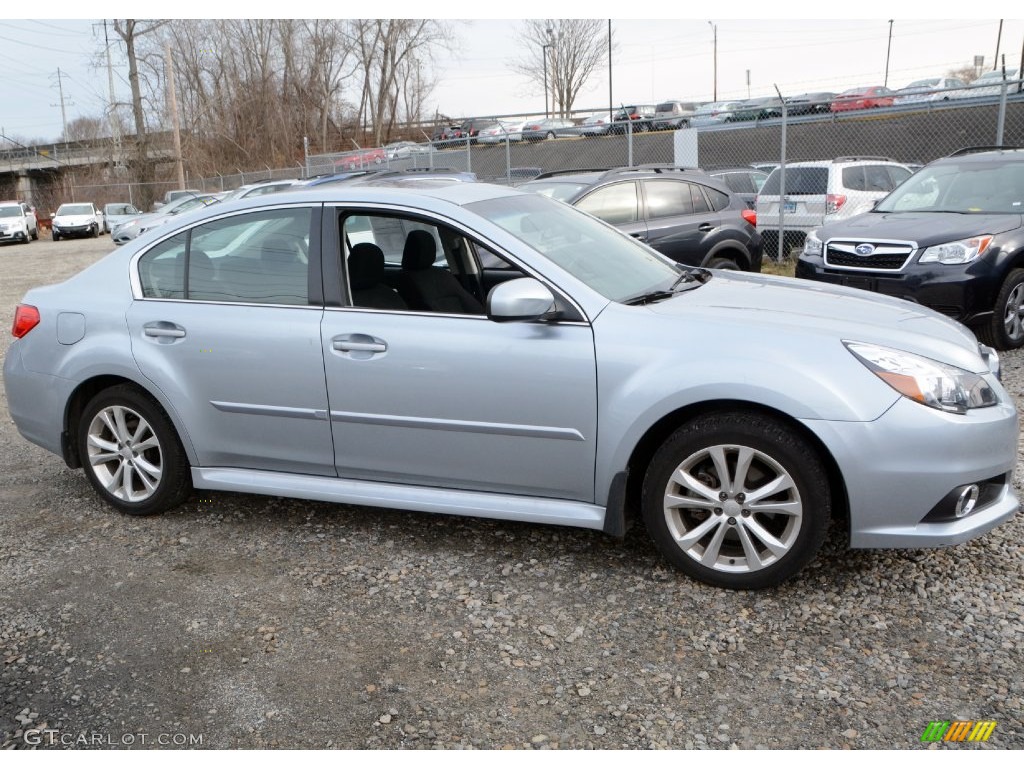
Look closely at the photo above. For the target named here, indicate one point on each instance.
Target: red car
(360, 158)
(863, 98)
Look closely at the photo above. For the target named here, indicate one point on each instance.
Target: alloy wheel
(124, 453)
(733, 508)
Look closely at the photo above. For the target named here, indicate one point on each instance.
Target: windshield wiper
(690, 278)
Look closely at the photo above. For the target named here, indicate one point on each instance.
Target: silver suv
(822, 191)
(518, 360)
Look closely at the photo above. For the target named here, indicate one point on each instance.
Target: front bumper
(14, 234)
(80, 230)
(902, 466)
(963, 292)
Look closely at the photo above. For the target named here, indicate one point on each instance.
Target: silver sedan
(474, 350)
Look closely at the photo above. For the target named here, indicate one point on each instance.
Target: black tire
(722, 262)
(55, 237)
(1005, 330)
(722, 516)
(95, 230)
(35, 233)
(28, 237)
(551, 135)
(161, 464)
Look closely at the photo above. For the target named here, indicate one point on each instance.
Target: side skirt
(446, 501)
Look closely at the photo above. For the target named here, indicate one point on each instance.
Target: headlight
(958, 252)
(931, 383)
(812, 245)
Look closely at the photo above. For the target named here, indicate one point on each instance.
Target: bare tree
(131, 31)
(85, 129)
(567, 50)
(967, 73)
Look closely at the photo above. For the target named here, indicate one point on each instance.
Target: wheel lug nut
(732, 521)
(746, 513)
(723, 496)
(718, 510)
(741, 497)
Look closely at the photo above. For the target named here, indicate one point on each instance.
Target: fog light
(968, 499)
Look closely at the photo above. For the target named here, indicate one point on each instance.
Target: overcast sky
(654, 61)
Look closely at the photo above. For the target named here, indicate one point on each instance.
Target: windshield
(609, 262)
(119, 209)
(559, 190)
(10, 212)
(75, 210)
(970, 187)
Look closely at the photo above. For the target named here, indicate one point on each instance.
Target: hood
(74, 218)
(768, 307)
(921, 227)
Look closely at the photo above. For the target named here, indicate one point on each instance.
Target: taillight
(750, 216)
(26, 317)
(834, 202)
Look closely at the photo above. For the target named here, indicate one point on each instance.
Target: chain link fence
(908, 130)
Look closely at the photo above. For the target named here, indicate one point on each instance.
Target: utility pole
(999, 39)
(115, 128)
(63, 109)
(173, 95)
(714, 30)
(611, 104)
(888, 51)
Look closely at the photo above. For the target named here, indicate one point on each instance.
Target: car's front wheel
(131, 452)
(55, 235)
(737, 500)
(1006, 328)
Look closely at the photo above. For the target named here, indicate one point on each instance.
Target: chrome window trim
(133, 265)
(891, 247)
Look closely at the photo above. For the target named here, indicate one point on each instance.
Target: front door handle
(360, 346)
(639, 236)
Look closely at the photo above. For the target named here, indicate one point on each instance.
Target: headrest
(365, 266)
(420, 250)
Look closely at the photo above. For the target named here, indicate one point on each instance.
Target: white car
(929, 89)
(78, 220)
(989, 84)
(17, 222)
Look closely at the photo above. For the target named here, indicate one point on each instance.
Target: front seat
(366, 276)
(426, 288)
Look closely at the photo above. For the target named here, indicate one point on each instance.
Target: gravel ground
(254, 622)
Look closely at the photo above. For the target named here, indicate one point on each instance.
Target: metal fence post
(469, 156)
(1001, 118)
(629, 140)
(782, 181)
(508, 158)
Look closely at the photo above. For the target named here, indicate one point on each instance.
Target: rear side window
(799, 181)
(162, 269)
(738, 182)
(718, 200)
(899, 175)
(616, 203)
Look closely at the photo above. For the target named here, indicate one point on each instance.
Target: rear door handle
(164, 330)
(358, 346)
(639, 236)
(706, 227)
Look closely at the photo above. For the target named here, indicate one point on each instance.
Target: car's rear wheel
(737, 500)
(131, 452)
(551, 135)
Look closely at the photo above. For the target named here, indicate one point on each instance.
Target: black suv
(685, 214)
(951, 237)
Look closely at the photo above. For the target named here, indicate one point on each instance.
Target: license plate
(789, 207)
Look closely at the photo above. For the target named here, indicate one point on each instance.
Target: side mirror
(524, 299)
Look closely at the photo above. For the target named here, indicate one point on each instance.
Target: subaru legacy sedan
(475, 350)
